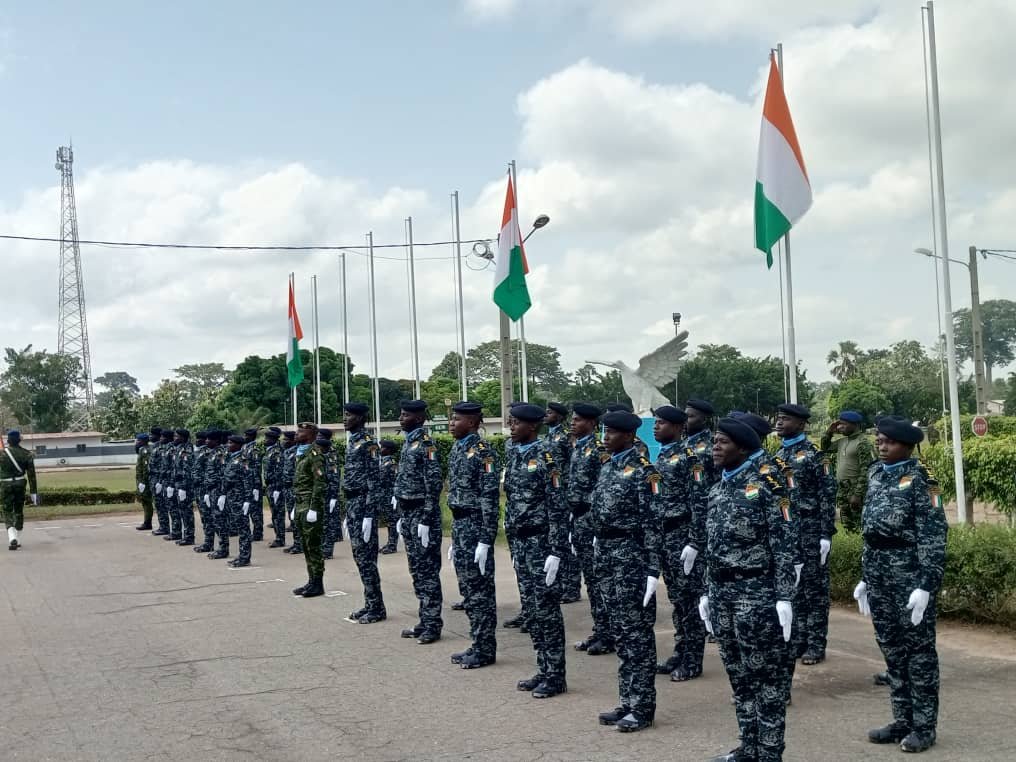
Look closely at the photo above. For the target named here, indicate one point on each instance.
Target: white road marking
(335, 594)
(263, 581)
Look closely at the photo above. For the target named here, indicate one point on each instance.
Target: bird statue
(656, 369)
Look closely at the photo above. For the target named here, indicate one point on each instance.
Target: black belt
(524, 533)
(736, 575)
(461, 513)
(580, 509)
(614, 534)
(880, 542)
(674, 522)
(351, 493)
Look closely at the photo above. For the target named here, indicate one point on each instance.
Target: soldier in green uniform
(309, 489)
(141, 477)
(17, 465)
(854, 455)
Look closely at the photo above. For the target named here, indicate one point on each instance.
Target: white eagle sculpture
(656, 369)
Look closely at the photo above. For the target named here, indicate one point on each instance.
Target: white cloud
(487, 9)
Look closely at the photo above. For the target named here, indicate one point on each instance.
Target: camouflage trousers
(389, 514)
(514, 550)
(621, 567)
(160, 509)
(12, 498)
(850, 517)
(910, 655)
(684, 591)
(242, 523)
(311, 534)
(582, 541)
(747, 629)
(542, 605)
(424, 566)
(173, 511)
(333, 525)
(278, 508)
(294, 525)
(477, 588)
(811, 601)
(570, 575)
(365, 553)
(257, 517)
(147, 505)
(223, 523)
(207, 513)
(185, 510)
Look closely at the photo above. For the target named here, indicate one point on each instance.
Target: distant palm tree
(844, 360)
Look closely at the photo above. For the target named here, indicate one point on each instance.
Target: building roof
(64, 435)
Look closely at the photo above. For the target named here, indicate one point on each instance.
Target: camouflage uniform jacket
(273, 468)
(701, 444)
(288, 467)
(252, 457)
(749, 530)
(474, 482)
(183, 462)
(360, 476)
(141, 465)
(214, 466)
(309, 477)
(155, 465)
(684, 493)
(768, 464)
(235, 479)
(26, 462)
(534, 498)
(560, 444)
(419, 475)
(627, 501)
(812, 485)
(385, 484)
(333, 476)
(587, 457)
(903, 510)
(198, 465)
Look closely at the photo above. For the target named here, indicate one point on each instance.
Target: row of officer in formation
(741, 537)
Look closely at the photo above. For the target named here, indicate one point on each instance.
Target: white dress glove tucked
(917, 605)
(398, 524)
(423, 532)
(292, 515)
(331, 505)
(651, 584)
(823, 550)
(208, 502)
(365, 527)
(245, 508)
(688, 555)
(169, 492)
(786, 614)
(480, 556)
(181, 495)
(221, 502)
(551, 565)
(861, 596)
(275, 496)
(141, 488)
(798, 568)
(703, 612)
(311, 516)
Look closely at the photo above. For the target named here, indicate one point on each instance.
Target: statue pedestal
(645, 433)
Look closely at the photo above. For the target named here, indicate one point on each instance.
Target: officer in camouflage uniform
(235, 499)
(207, 442)
(626, 519)
(214, 470)
(750, 584)
(385, 487)
(252, 456)
(814, 502)
(683, 537)
(156, 469)
(273, 484)
(474, 496)
(359, 485)
(587, 457)
(183, 492)
(308, 491)
(854, 455)
(171, 439)
(418, 484)
(198, 477)
(903, 560)
(623, 407)
(17, 466)
(332, 530)
(559, 442)
(289, 495)
(141, 476)
(536, 518)
(699, 436)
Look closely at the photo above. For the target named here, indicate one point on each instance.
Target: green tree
(37, 386)
(860, 395)
(844, 360)
(543, 366)
(909, 376)
(119, 417)
(169, 405)
(113, 381)
(731, 381)
(590, 385)
(1010, 396)
(998, 334)
(201, 380)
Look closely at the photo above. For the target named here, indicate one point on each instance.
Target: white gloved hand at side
(331, 505)
(423, 532)
(551, 565)
(208, 502)
(245, 508)
(35, 498)
(572, 545)
(688, 555)
(257, 495)
(141, 488)
(311, 516)
(798, 568)
(365, 527)
(480, 556)
(861, 596)
(221, 502)
(169, 491)
(786, 614)
(451, 551)
(823, 550)
(651, 584)
(703, 612)
(345, 527)
(917, 605)
(275, 496)
(158, 488)
(398, 524)
(181, 495)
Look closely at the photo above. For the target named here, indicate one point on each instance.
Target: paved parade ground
(118, 645)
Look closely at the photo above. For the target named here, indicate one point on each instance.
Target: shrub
(85, 496)
(989, 465)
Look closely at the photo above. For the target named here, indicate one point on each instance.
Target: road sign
(979, 426)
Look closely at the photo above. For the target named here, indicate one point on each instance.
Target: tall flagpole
(317, 354)
(523, 369)
(373, 334)
(791, 337)
(460, 317)
(943, 249)
(412, 310)
(345, 335)
(292, 287)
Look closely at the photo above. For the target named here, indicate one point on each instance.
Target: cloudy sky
(634, 124)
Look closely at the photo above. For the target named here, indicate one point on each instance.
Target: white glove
(245, 508)
(158, 488)
(451, 551)
(275, 496)
(367, 526)
(208, 502)
(331, 505)
(311, 516)
(292, 515)
(551, 565)
(798, 568)
(398, 524)
(596, 545)
(703, 612)
(572, 545)
(423, 532)
(480, 556)
(35, 501)
(221, 502)
(141, 488)
(257, 495)
(861, 596)
(823, 551)
(345, 528)
(169, 492)
(688, 555)
(786, 614)
(651, 584)
(181, 495)
(917, 604)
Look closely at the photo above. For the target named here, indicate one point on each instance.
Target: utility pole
(978, 331)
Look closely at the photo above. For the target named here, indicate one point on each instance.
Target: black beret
(798, 411)
(290, 435)
(201, 434)
(614, 407)
(529, 413)
(325, 433)
(184, 433)
(251, 432)
(622, 420)
(387, 444)
(558, 408)
(413, 406)
(157, 430)
(701, 405)
(167, 433)
(236, 438)
(740, 433)
(273, 432)
(671, 414)
(468, 408)
(307, 425)
(900, 429)
(585, 410)
(323, 442)
(143, 436)
(851, 416)
(356, 408)
(757, 422)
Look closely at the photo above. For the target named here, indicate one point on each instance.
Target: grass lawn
(113, 479)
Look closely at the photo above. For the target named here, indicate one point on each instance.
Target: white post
(317, 355)
(412, 310)
(373, 334)
(791, 337)
(461, 321)
(345, 336)
(523, 369)
(292, 285)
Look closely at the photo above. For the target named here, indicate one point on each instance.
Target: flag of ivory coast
(782, 188)
(294, 365)
(510, 291)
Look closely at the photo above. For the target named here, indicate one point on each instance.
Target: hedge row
(989, 466)
(980, 575)
(998, 426)
(84, 496)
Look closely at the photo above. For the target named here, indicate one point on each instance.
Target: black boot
(894, 732)
(144, 526)
(299, 590)
(315, 588)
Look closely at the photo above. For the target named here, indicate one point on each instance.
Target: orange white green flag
(510, 291)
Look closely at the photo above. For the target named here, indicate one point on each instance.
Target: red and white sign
(979, 426)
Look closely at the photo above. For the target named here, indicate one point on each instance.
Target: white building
(77, 448)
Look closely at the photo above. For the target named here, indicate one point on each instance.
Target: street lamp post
(939, 339)
(677, 332)
(538, 223)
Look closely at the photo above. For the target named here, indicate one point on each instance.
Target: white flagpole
(791, 337)
(292, 285)
(460, 317)
(523, 369)
(345, 335)
(373, 334)
(317, 355)
(412, 310)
